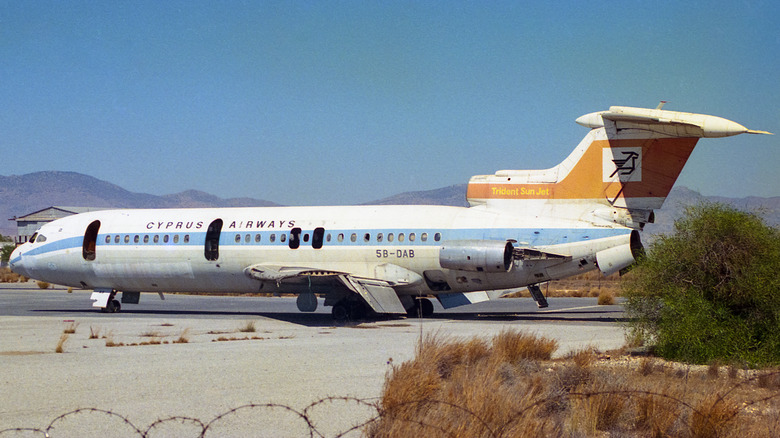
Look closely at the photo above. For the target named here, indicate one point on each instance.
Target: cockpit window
(32, 238)
(40, 238)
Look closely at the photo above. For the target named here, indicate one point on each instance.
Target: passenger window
(353, 238)
(411, 237)
(175, 238)
(156, 238)
(116, 238)
(146, 238)
(390, 237)
(341, 237)
(379, 237)
(424, 237)
(306, 237)
(108, 239)
(401, 237)
(366, 237)
(328, 237)
(437, 237)
(136, 239)
(165, 238)
(282, 238)
(186, 238)
(127, 238)
(257, 237)
(247, 238)
(238, 238)
(272, 238)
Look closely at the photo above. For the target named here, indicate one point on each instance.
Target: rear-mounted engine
(477, 255)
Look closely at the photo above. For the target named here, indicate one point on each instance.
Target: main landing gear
(423, 307)
(105, 299)
(112, 306)
(349, 310)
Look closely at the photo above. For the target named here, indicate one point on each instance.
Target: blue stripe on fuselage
(524, 237)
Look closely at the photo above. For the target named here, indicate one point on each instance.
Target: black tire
(426, 307)
(340, 312)
(113, 306)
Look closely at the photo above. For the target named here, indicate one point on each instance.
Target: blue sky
(347, 102)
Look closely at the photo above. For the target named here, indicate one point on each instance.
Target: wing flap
(378, 294)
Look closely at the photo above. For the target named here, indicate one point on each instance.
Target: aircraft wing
(376, 291)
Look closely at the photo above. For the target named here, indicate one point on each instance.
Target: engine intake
(617, 258)
(477, 255)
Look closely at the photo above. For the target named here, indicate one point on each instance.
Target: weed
(472, 388)
(70, 290)
(61, 344)
(71, 328)
(151, 334)
(94, 332)
(42, 284)
(248, 327)
(183, 337)
(606, 298)
(713, 370)
(646, 366)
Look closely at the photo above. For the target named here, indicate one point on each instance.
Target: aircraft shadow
(326, 320)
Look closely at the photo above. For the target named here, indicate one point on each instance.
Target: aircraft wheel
(414, 311)
(357, 310)
(113, 306)
(426, 307)
(340, 312)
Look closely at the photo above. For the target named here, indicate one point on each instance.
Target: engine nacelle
(477, 255)
(616, 258)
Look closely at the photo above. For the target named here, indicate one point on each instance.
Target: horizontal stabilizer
(672, 123)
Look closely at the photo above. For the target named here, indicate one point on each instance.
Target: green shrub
(710, 291)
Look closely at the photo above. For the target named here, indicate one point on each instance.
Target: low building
(30, 223)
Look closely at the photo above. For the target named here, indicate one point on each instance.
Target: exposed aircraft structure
(523, 228)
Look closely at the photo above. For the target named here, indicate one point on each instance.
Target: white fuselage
(164, 250)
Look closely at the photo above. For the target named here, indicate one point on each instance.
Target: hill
(23, 194)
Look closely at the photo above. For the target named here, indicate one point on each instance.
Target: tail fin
(622, 170)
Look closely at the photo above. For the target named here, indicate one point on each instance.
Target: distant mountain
(451, 195)
(23, 194)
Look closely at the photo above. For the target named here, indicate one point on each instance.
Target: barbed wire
(377, 413)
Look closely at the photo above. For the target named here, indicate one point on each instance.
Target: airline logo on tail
(622, 164)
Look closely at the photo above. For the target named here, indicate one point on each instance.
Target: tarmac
(295, 375)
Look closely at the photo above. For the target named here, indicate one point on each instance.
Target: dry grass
(61, 343)
(606, 299)
(70, 328)
(508, 386)
(8, 276)
(43, 284)
(248, 327)
(183, 337)
(94, 332)
(591, 284)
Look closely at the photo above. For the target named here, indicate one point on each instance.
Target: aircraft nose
(15, 262)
